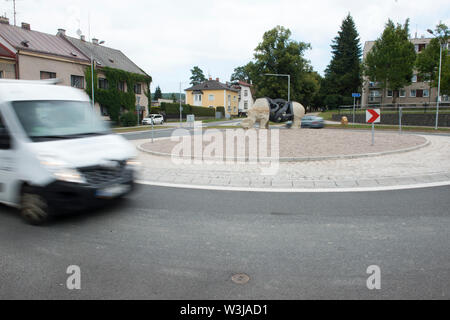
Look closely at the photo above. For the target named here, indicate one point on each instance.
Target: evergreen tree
(158, 94)
(343, 74)
(392, 58)
(197, 76)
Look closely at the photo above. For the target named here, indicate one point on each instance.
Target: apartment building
(418, 92)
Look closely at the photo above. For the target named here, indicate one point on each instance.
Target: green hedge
(203, 112)
(221, 109)
(155, 110)
(128, 119)
(174, 109)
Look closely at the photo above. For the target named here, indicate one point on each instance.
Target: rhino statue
(276, 110)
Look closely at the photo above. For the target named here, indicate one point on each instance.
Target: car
(153, 118)
(312, 122)
(56, 154)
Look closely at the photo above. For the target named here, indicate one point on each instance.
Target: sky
(168, 38)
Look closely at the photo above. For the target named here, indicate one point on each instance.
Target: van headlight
(61, 170)
(133, 164)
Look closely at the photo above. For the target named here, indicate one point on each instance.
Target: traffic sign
(373, 116)
(356, 95)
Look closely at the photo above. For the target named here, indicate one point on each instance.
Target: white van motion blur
(56, 154)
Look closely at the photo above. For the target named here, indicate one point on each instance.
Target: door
(6, 164)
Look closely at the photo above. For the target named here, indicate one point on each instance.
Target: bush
(221, 109)
(155, 110)
(128, 119)
(203, 112)
(174, 108)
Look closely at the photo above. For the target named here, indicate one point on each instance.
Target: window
(374, 93)
(245, 105)
(426, 93)
(245, 93)
(234, 98)
(402, 93)
(137, 88)
(197, 97)
(77, 81)
(121, 86)
(414, 78)
(47, 75)
(412, 93)
(1, 74)
(229, 101)
(389, 93)
(103, 83)
(211, 97)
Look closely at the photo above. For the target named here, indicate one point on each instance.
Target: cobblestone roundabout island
(308, 159)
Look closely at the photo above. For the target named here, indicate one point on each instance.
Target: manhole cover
(240, 278)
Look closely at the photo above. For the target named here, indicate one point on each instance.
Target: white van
(56, 153)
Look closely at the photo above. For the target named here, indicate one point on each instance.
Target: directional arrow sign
(373, 116)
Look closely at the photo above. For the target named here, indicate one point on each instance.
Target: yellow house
(212, 94)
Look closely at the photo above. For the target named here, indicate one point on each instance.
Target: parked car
(312, 122)
(56, 154)
(155, 118)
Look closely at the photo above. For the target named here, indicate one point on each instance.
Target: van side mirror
(5, 139)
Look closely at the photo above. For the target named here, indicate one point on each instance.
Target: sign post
(355, 95)
(373, 116)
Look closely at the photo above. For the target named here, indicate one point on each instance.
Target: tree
(197, 76)
(279, 54)
(343, 74)
(158, 94)
(392, 58)
(173, 97)
(427, 62)
(242, 73)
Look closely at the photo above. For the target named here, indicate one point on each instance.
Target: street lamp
(92, 76)
(282, 75)
(439, 79)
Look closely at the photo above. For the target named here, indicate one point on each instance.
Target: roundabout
(292, 145)
(324, 160)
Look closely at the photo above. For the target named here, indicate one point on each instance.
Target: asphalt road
(168, 243)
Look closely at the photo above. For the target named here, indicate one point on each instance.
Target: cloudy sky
(167, 38)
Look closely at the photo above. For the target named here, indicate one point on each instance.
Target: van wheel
(34, 208)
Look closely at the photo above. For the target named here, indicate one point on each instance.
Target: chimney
(83, 37)
(61, 32)
(4, 20)
(217, 79)
(95, 41)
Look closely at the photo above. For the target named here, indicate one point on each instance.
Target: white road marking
(297, 190)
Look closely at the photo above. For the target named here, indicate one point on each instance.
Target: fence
(401, 114)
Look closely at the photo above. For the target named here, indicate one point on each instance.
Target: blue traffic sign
(356, 95)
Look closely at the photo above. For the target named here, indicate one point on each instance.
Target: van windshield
(54, 120)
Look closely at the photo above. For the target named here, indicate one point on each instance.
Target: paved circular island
(296, 145)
